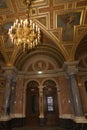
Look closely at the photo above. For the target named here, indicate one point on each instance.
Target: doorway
(50, 103)
(32, 104)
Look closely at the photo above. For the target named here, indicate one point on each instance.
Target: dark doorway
(32, 104)
(50, 103)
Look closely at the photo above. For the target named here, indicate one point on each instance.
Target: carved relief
(40, 65)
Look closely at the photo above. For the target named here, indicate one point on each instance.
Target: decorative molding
(80, 119)
(11, 116)
(74, 118)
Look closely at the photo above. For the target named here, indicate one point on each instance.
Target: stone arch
(24, 95)
(50, 96)
(81, 53)
(32, 103)
(58, 91)
(52, 79)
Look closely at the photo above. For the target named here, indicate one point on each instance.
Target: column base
(42, 121)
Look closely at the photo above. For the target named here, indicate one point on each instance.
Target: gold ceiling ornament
(25, 33)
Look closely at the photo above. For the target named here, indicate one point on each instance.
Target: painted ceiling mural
(67, 22)
(3, 4)
(63, 21)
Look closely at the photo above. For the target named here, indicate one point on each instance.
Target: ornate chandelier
(25, 33)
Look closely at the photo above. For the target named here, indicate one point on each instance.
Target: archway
(51, 112)
(32, 104)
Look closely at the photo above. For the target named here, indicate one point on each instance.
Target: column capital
(10, 72)
(70, 67)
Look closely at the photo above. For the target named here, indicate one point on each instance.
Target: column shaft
(71, 70)
(41, 103)
(76, 96)
(7, 95)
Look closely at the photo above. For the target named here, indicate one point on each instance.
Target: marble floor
(38, 128)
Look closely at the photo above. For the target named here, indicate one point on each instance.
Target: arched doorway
(32, 104)
(51, 113)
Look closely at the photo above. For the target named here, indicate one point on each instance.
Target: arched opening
(51, 112)
(32, 104)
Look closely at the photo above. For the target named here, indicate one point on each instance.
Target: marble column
(41, 115)
(13, 94)
(70, 94)
(7, 95)
(10, 74)
(71, 69)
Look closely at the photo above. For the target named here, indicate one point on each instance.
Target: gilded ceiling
(63, 25)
